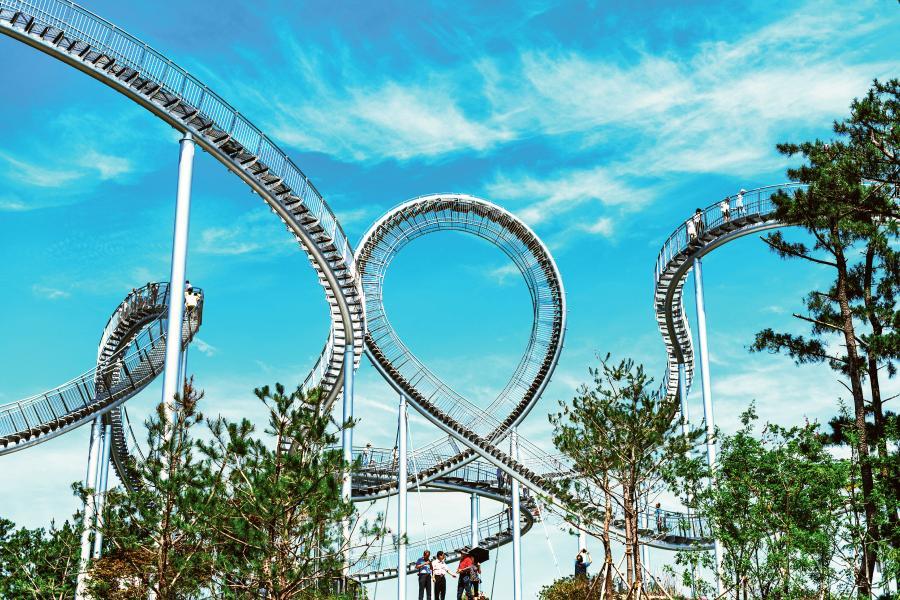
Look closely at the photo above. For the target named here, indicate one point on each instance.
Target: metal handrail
(128, 50)
(123, 372)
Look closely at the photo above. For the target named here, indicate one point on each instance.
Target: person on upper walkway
(725, 207)
(691, 230)
(739, 202)
(699, 222)
(423, 571)
(441, 570)
(660, 522)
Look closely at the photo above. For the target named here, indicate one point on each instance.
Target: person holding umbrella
(464, 587)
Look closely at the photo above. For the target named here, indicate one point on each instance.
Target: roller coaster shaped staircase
(467, 457)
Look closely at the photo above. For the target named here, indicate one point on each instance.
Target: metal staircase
(131, 355)
(98, 48)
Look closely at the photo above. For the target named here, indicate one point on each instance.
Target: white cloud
(37, 174)
(719, 110)
(106, 165)
(252, 233)
(602, 226)
(205, 347)
(502, 275)
(12, 204)
(49, 293)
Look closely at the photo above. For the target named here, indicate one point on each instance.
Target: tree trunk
(864, 578)
(629, 536)
(607, 546)
(892, 493)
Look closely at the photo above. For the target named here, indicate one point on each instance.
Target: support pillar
(582, 540)
(401, 503)
(685, 431)
(347, 443)
(475, 516)
(90, 483)
(516, 532)
(706, 388)
(101, 489)
(177, 276)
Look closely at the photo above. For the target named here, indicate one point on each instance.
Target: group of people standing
(697, 224)
(435, 571)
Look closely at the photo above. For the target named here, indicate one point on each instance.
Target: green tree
(624, 440)
(778, 508)
(39, 563)
(850, 210)
(276, 523)
(156, 536)
(572, 588)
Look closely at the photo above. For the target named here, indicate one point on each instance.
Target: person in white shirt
(725, 207)
(691, 230)
(739, 202)
(440, 570)
(191, 299)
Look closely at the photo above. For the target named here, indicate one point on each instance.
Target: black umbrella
(480, 554)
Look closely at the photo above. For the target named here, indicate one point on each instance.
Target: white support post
(101, 490)
(401, 504)
(645, 549)
(682, 394)
(474, 517)
(706, 388)
(90, 482)
(177, 276)
(347, 444)
(685, 431)
(516, 532)
(582, 539)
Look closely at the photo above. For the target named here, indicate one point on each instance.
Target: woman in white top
(739, 202)
(725, 208)
(440, 570)
(691, 230)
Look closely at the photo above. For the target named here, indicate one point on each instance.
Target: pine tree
(156, 536)
(39, 563)
(624, 441)
(850, 210)
(276, 524)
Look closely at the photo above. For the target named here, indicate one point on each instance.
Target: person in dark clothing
(423, 570)
(582, 562)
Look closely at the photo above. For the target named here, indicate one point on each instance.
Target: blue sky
(601, 124)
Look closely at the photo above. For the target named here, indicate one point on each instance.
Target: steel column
(101, 489)
(516, 532)
(685, 431)
(401, 503)
(706, 388)
(90, 482)
(177, 276)
(582, 540)
(347, 445)
(474, 517)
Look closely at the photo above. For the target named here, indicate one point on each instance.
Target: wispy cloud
(253, 233)
(12, 204)
(49, 293)
(503, 275)
(205, 347)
